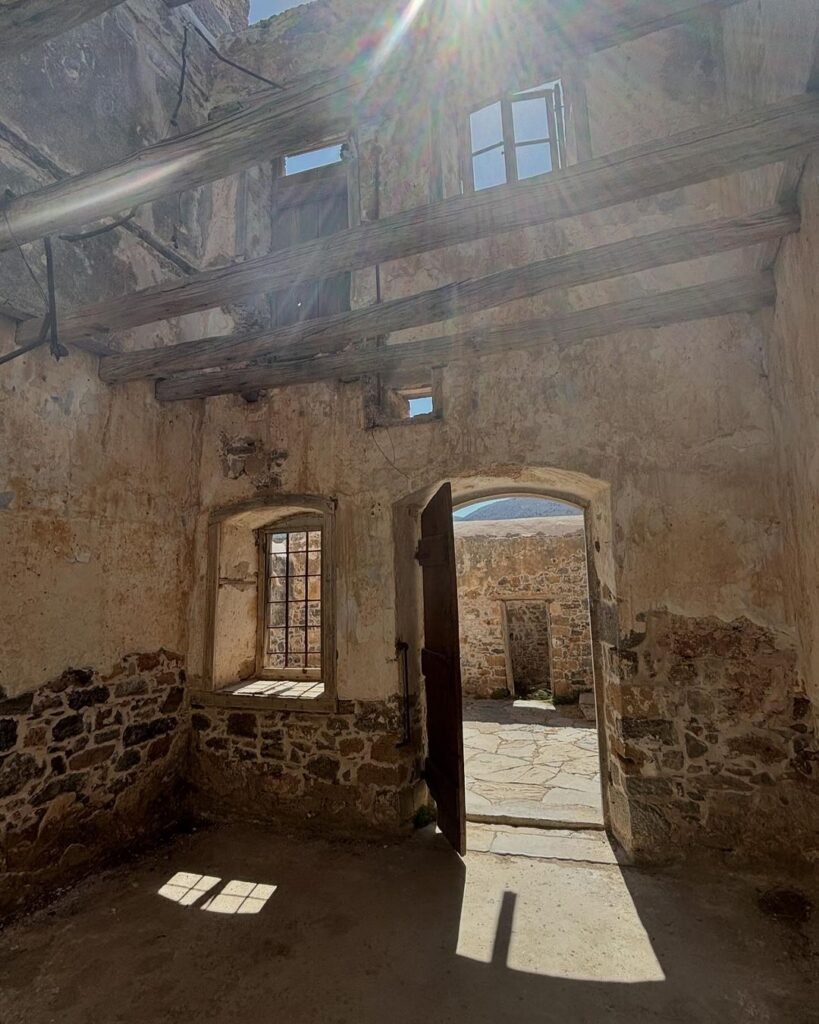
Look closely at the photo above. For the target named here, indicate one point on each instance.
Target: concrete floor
(527, 762)
(407, 933)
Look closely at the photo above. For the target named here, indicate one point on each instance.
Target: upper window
(518, 136)
(310, 201)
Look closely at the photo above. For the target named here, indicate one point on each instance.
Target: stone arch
(593, 496)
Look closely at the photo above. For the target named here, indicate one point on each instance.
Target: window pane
(298, 563)
(530, 120)
(489, 169)
(533, 160)
(293, 606)
(275, 614)
(315, 158)
(298, 541)
(486, 127)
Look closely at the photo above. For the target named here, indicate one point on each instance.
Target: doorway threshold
(524, 820)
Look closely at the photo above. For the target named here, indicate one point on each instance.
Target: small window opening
(518, 136)
(388, 402)
(324, 157)
(419, 402)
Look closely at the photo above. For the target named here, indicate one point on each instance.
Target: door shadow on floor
(522, 712)
(408, 933)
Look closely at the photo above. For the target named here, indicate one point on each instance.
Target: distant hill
(521, 508)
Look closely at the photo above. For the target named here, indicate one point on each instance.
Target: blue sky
(260, 9)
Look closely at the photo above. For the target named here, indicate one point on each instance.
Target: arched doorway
(531, 751)
(593, 498)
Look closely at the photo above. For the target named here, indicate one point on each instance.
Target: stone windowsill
(228, 698)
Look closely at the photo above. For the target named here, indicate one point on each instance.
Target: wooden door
(441, 665)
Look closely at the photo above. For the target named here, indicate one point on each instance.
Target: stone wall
(716, 742)
(90, 763)
(498, 562)
(667, 434)
(98, 486)
(344, 771)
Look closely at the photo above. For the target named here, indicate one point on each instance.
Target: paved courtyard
(527, 762)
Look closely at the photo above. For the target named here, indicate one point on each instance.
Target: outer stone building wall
(669, 430)
(98, 486)
(516, 563)
(89, 763)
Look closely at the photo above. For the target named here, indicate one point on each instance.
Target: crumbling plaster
(675, 424)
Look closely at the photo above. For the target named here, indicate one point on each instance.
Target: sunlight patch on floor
(236, 897)
(185, 887)
(240, 898)
(545, 918)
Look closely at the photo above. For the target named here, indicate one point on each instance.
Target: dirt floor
(527, 762)
(239, 925)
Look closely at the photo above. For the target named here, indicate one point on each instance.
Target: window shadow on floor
(403, 933)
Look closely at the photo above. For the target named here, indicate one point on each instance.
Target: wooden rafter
(300, 117)
(331, 333)
(27, 23)
(742, 142)
(720, 298)
(287, 120)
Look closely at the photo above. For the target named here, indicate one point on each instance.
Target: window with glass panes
(518, 136)
(291, 625)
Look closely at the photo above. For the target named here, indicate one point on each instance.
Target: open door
(441, 665)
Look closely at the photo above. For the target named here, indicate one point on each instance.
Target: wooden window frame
(298, 523)
(292, 506)
(508, 143)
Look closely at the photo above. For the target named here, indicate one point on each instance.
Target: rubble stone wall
(500, 562)
(715, 740)
(89, 764)
(343, 771)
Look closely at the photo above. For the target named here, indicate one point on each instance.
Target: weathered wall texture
(98, 486)
(345, 771)
(673, 426)
(90, 763)
(698, 487)
(794, 367)
(499, 561)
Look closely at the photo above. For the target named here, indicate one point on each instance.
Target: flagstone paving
(525, 762)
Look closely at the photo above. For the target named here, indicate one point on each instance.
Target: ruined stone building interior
(409, 498)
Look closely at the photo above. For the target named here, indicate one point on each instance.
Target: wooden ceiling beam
(303, 116)
(742, 142)
(300, 117)
(718, 298)
(328, 334)
(25, 24)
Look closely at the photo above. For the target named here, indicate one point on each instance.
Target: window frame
(289, 192)
(270, 510)
(297, 523)
(555, 116)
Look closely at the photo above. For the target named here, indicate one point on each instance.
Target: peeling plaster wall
(98, 486)
(676, 423)
(794, 368)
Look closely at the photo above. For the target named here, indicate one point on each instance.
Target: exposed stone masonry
(346, 769)
(715, 741)
(545, 560)
(88, 762)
